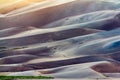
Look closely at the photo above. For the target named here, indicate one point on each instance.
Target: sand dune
(44, 36)
(58, 11)
(10, 5)
(98, 19)
(71, 39)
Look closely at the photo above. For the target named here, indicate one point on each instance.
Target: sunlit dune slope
(9, 5)
(3, 2)
(39, 14)
(60, 38)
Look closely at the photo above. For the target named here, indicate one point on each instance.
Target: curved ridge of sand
(60, 38)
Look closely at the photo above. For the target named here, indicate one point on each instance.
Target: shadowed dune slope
(69, 39)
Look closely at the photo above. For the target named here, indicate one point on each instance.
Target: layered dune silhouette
(60, 38)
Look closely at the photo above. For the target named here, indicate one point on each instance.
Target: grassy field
(23, 77)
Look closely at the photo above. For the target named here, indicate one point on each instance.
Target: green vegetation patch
(23, 77)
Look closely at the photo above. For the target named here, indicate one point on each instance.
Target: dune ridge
(64, 39)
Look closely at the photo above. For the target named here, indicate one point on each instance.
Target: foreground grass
(23, 77)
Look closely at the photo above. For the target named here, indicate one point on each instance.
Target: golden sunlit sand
(10, 5)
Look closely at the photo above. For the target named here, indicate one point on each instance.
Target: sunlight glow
(9, 5)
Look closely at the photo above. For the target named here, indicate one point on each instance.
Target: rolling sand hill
(71, 39)
(10, 5)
